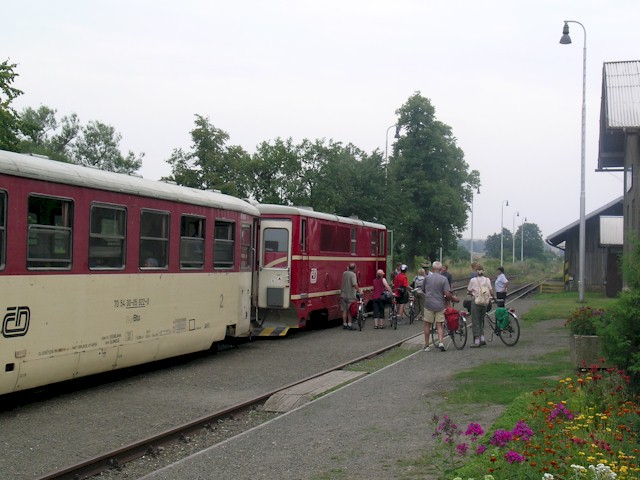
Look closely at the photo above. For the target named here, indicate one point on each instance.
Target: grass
(500, 383)
(562, 305)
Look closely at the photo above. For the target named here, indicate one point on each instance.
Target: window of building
(191, 242)
(49, 233)
(245, 247)
(3, 228)
(107, 237)
(224, 244)
(154, 239)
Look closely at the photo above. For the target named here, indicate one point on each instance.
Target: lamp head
(397, 135)
(506, 204)
(565, 39)
(478, 192)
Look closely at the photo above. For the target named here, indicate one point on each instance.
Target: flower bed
(582, 428)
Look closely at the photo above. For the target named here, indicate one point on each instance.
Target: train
(101, 271)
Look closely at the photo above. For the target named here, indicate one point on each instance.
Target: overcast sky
(339, 69)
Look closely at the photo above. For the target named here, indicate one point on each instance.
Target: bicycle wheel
(394, 317)
(459, 335)
(360, 319)
(511, 333)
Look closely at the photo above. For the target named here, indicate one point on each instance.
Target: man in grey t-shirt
(348, 294)
(437, 291)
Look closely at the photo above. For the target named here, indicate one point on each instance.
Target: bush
(585, 321)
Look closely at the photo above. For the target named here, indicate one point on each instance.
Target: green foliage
(533, 243)
(8, 116)
(211, 164)
(585, 320)
(429, 183)
(98, 146)
(621, 332)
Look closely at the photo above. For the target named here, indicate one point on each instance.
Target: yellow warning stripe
(270, 332)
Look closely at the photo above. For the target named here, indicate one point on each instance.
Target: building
(619, 148)
(603, 246)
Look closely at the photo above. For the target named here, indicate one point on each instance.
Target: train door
(274, 287)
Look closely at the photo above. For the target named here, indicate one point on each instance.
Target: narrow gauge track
(120, 456)
(127, 453)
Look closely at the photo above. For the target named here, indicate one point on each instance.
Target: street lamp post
(504, 203)
(565, 40)
(513, 238)
(522, 239)
(386, 145)
(472, 209)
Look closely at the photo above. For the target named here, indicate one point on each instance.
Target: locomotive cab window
(224, 244)
(49, 233)
(381, 251)
(107, 238)
(374, 243)
(3, 227)
(154, 239)
(354, 236)
(191, 242)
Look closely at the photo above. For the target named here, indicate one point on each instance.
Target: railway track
(152, 445)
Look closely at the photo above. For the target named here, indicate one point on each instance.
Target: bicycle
(360, 316)
(393, 314)
(410, 309)
(509, 331)
(458, 335)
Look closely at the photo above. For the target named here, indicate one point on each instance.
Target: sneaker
(349, 327)
(426, 349)
(482, 343)
(474, 345)
(441, 347)
(344, 325)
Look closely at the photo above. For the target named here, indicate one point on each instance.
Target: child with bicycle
(418, 294)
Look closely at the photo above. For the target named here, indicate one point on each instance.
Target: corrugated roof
(622, 90)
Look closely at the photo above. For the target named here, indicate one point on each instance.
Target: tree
(492, 245)
(8, 116)
(533, 243)
(430, 185)
(98, 146)
(40, 132)
(211, 164)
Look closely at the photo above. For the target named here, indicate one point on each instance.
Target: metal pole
(522, 239)
(502, 230)
(472, 197)
(582, 229)
(513, 238)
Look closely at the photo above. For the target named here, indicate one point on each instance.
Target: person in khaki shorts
(437, 291)
(348, 292)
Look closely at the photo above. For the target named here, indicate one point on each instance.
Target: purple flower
(558, 410)
(514, 457)
(522, 430)
(462, 448)
(501, 437)
(481, 449)
(474, 430)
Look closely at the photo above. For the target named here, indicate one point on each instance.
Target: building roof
(611, 208)
(619, 111)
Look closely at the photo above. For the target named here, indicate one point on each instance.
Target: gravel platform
(362, 430)
(52, 428)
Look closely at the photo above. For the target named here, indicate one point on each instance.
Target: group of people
(432, 295)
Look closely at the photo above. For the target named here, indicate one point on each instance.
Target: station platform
(372, 428)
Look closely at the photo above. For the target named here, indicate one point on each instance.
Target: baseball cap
(403, 267)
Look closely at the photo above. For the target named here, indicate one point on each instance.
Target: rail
(127, 453)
